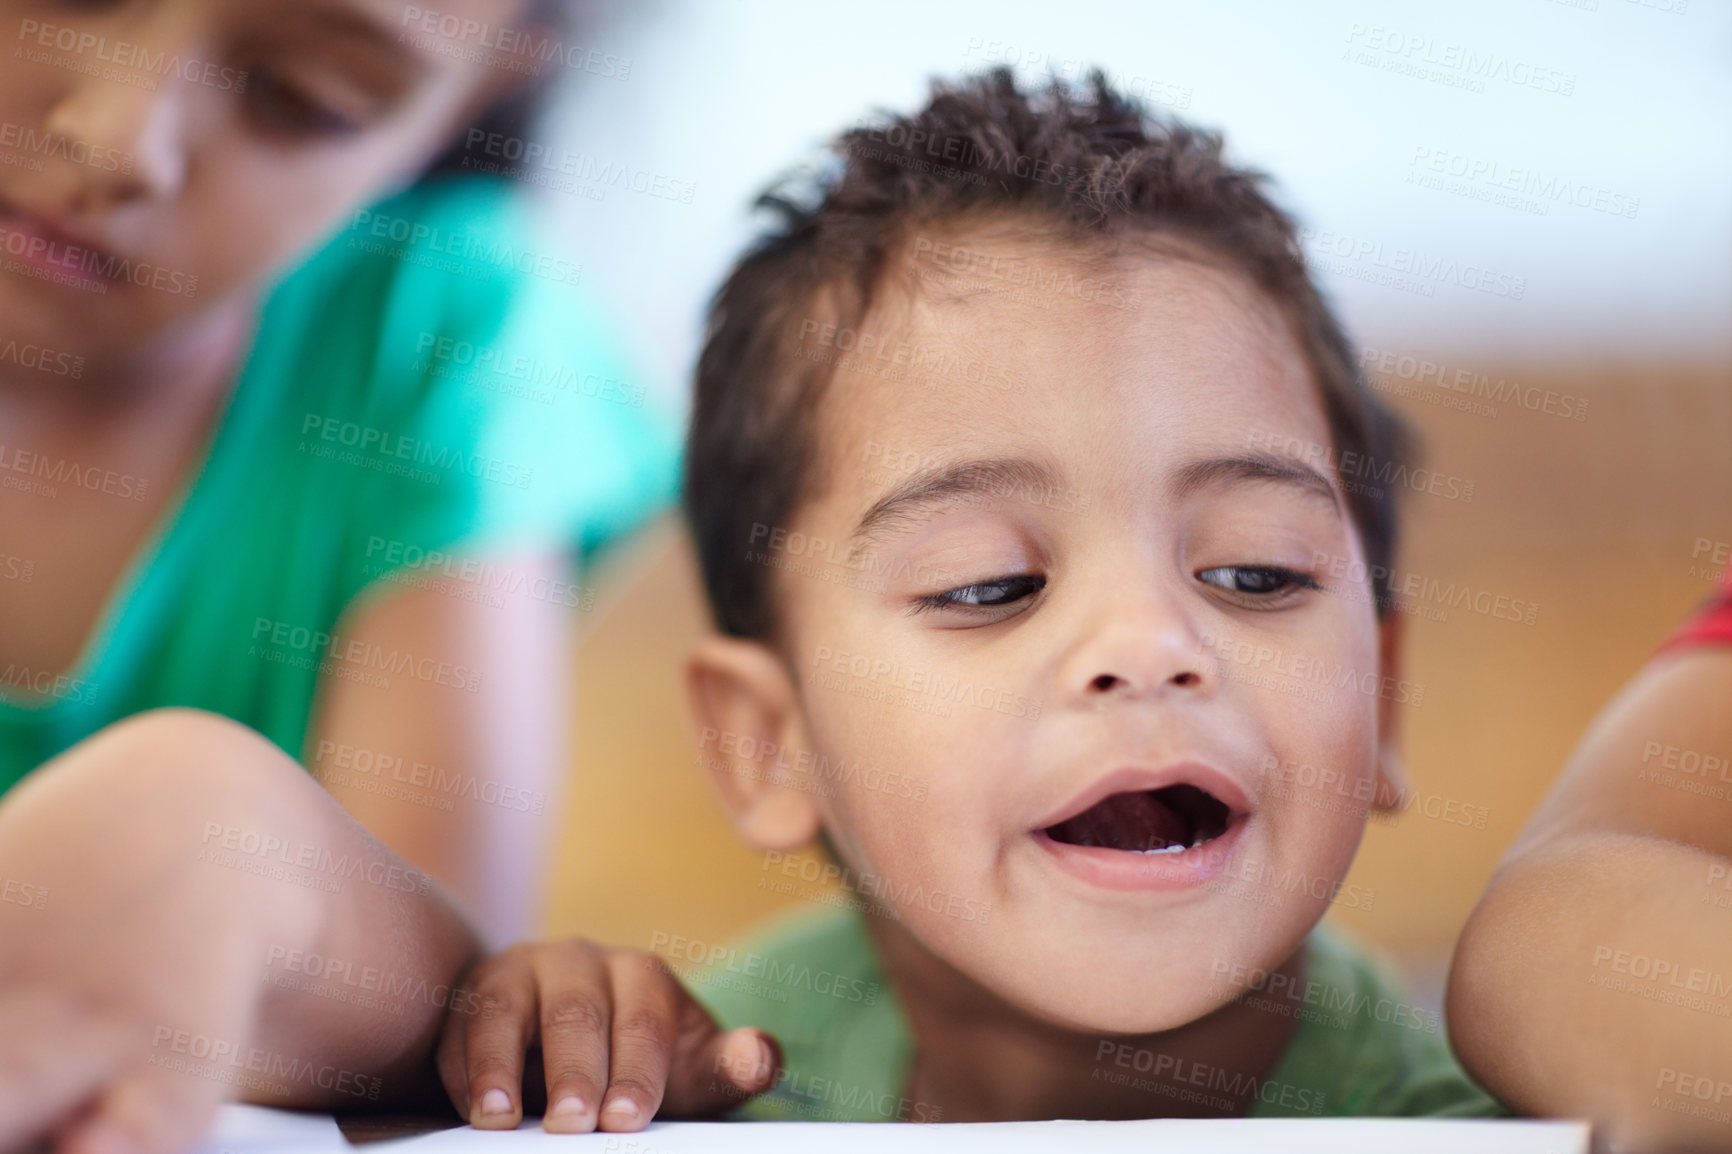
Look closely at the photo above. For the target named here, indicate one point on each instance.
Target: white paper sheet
(1166, 1136)
(248, 1130)
(256, 1130)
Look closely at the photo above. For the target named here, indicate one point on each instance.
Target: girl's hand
(130, 991)
(620, 1039)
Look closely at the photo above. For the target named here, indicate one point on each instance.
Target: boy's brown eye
(1256, 580)
(986, 594)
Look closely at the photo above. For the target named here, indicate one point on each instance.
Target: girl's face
(158, 156)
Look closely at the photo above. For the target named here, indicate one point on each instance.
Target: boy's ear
(751, 732)
(1392, 779)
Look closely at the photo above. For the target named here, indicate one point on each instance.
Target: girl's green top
(1360, 1046)
(429, 389)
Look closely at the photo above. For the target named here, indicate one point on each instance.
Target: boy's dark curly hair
(1091, 165)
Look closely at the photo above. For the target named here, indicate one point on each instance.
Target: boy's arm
(188, 916)
(1595, 977)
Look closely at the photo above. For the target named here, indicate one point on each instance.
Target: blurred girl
(297, 421)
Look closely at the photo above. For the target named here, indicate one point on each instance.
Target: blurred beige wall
(1593, 521)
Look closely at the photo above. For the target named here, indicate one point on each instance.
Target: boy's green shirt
(1360, 1048)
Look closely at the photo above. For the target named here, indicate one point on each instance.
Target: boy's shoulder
(814, 981)
(1363, 1046)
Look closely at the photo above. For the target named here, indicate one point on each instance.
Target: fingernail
(622, 1112)
(496, 1101)
(766, 1060)
(566, 1116)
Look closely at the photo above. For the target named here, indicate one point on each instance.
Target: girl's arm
(1595, 977)
(455, 765)
(188, 917)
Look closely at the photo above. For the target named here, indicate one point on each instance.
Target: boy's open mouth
(1155, 821)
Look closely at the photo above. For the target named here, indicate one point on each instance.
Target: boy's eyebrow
(996, 477)
(1256, 467)
(1007, 476)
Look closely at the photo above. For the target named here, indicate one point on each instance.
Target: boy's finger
(52, 1060)
(577, 1008)
(646, 1009)
(494, 1041)
(722, 1071)
(452, 1057)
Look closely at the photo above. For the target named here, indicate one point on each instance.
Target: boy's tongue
(1127, 821)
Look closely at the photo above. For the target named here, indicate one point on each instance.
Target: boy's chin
(1124, 1007)
(1141, 1012)
(1148, 985)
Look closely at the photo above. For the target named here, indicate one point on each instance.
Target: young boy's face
(160, 154)
(1071, 595)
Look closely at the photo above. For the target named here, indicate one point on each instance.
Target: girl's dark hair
(1089, 164)
(518, 114)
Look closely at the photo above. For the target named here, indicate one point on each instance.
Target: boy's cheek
(902, 799)
(1320, 769)
(1316, 802)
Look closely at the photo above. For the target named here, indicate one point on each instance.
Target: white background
(726, 94)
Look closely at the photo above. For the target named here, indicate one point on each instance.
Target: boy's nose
(1142, 645)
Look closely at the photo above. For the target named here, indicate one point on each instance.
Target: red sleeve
(1712, 625)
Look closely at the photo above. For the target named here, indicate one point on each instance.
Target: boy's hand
(620, 1039)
